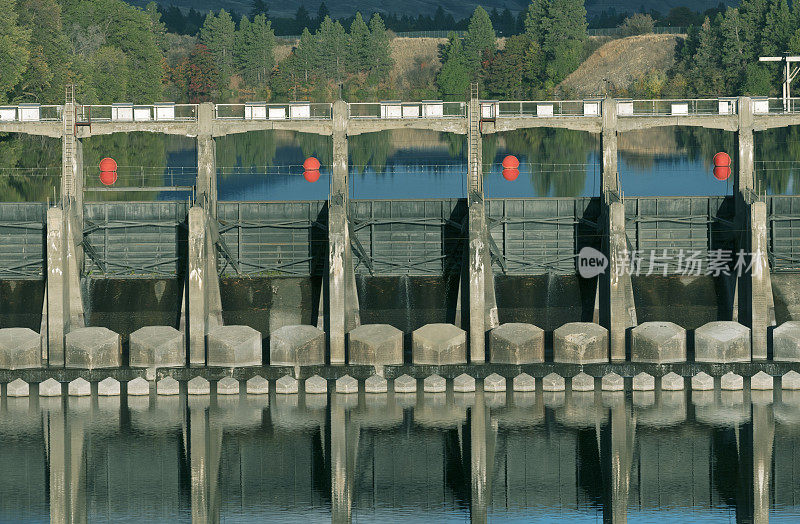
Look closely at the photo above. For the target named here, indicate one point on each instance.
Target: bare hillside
(620, 62)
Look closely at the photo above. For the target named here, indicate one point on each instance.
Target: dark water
(714, 456)
(404, 164)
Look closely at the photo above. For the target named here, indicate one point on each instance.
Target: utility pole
(790, 73)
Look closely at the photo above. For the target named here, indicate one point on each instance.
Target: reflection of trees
(256, 148)
(543, 148)
(777, 154)
(37, 163)
(371, 149)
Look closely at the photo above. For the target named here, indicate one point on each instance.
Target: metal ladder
(473, 150)
(68, 168)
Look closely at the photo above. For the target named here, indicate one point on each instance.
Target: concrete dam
(383, 293)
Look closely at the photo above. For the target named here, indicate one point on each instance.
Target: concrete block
(298, 345)
(93, 347)
(316, 385)
(580, 343)
(553, 382)
(80, 387)
(227, 386)
(286, 385)
(108, 387)
(582, 382)
(702, 382)
(722, 341)
(731, 381)
(346, 384)
(20, 348)
(234, 346)
(671, 382)
(168, 386)
(790, 380)
(761, 381)
(375, 344)
(17, 388)
(257, 385)
(198, 386)
(376, 384)
(50, 388)
(138, 387)
(658, 342)
(439, 344)
(157, 346)
(515, 343)
(434, 384)
(786, 342)
(612, 382)
(494, 383)
(405, 384)
(464, 384)
(524, 383)
(644, 382)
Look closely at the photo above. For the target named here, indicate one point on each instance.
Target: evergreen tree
(380, 48)
(454, 77)
(218, 34)
(259, 8)
(331, 48)
(14, 54)
(480, 41)
(510, 75)
(255, 42)
(306, 54)
(563, 39)
(778, 29)
(322, 14)
(301, 19)
(359, 50)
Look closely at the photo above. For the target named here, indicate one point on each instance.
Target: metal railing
(407, 110)
(138, 113)
(677, 107)
(519, 109)
(31, 113)
(776, 106)
(264, 111)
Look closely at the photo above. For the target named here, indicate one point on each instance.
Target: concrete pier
(157, 346)
(297, 346)
(580, 343)
(723, 342)
(234, 346)
(375, 344)
(439, 344)
(658, 342)
(20, 348)
(93, 347)
(786, 342)
(515, 343)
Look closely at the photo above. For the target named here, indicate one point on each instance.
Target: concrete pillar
(343, 306)
(756, 303)
(206, 159)
(617, 308)
(481, 296)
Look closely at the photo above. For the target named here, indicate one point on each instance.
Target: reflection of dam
(336, 457)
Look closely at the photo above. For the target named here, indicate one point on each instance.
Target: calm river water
(404, 164)
(712, 456)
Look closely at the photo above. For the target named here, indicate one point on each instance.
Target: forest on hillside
(113, 51)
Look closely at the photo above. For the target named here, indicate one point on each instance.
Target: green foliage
(196, 77)
(254, 46)
(637, 24)
(454, 77)
(480, 42)
(14, 53)
(218, 34)
(511, 74)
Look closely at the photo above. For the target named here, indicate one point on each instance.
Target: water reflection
(690, 456)
(265, 165)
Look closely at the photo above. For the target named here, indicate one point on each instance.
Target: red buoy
(108, 177)
(108, 164)
(722, 159)
(510, 162)
(722, 172)
(311, 175)
(311, 164)
(510, 174)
